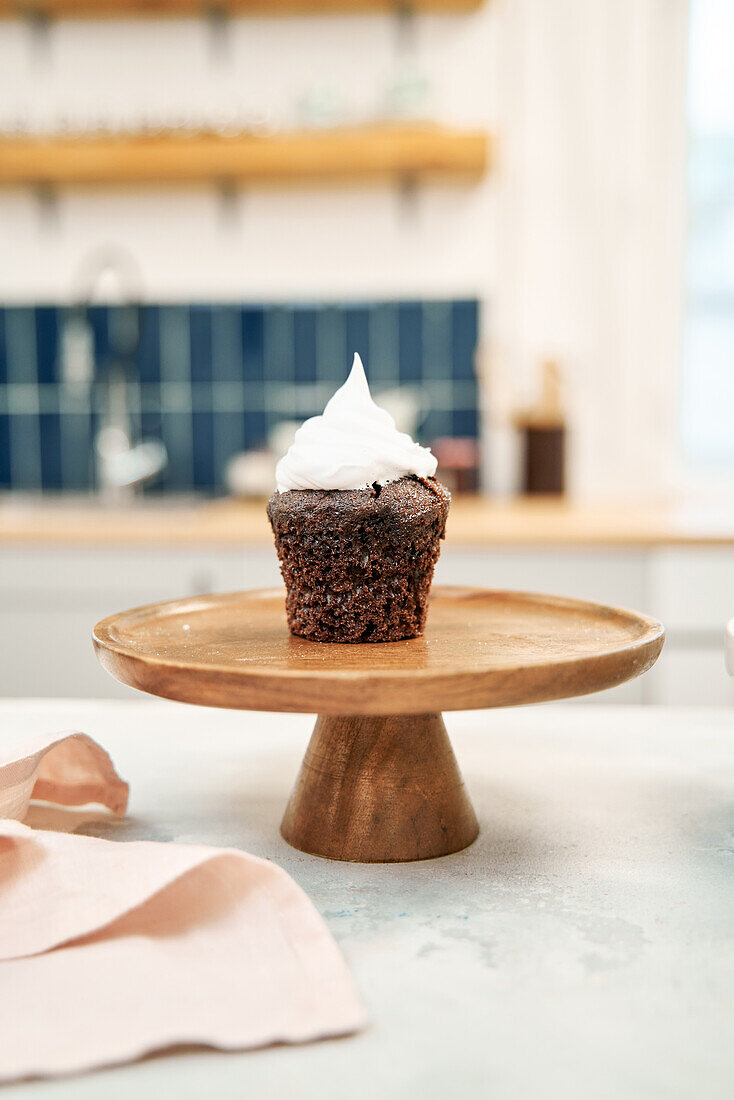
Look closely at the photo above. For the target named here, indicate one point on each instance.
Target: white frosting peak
(352, 445)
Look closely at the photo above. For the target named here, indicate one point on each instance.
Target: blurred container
(251, 474)
(543, 431)
(458, 463)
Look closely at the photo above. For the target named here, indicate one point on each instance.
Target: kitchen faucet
(122, 466)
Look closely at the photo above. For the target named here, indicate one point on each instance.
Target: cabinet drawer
(615, 578)
(64, 576)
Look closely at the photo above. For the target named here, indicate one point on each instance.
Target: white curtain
(591, 178)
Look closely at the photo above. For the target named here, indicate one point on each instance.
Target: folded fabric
(110, 950)
(70, 769)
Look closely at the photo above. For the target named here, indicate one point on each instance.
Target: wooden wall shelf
(95, 9)
(372, 153)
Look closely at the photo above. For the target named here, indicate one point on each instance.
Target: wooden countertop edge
(473, 525)
(111, 541)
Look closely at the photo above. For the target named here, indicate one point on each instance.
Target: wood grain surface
(481, 648)
(380, 790)
(99, 9)
(379, 152)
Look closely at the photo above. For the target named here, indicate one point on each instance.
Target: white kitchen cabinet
(693, 588)
(691, 672)
(692, 591)
(615, 578)
(50, 598)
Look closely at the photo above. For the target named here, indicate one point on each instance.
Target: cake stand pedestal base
(383, 789)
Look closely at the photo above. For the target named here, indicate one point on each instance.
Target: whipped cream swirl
(352, 445)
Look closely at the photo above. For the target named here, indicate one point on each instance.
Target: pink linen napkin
(110, 950)
(70, 769)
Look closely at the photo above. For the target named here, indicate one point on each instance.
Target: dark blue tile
(278, 343)
(437, 424)
(226, 344)
(410, 341)
(149, 351)
(5, 482)
(200, 445)
(151, 424)
(303, 410)
(229, 440)
(253, 344)
(25, 451)
(98, 317)
(176, 431)
(304, 345)
(170, 482)
(302, 402)
(47, 343)
(464, 338)
(334, 355)
(77, 468)
(3, 351)
(50, 431)
(96, 423)
(123, 332)
(200, 328)
(465, 423)
(20, 344)
(358, 333)
(174, 343)
(203, 450)
(255, 429)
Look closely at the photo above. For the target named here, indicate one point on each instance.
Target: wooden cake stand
(379, 782)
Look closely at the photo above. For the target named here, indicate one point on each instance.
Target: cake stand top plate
(481, 648)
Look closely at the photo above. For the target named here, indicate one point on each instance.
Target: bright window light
(708, 361)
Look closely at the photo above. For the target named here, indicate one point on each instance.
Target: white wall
(573, 241)
(279, 243)
(592, 96)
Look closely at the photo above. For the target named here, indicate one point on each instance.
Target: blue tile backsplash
(212, 380)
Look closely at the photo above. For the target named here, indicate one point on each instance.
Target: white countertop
(582, 947)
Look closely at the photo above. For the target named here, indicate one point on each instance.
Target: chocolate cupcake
(358, 519)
